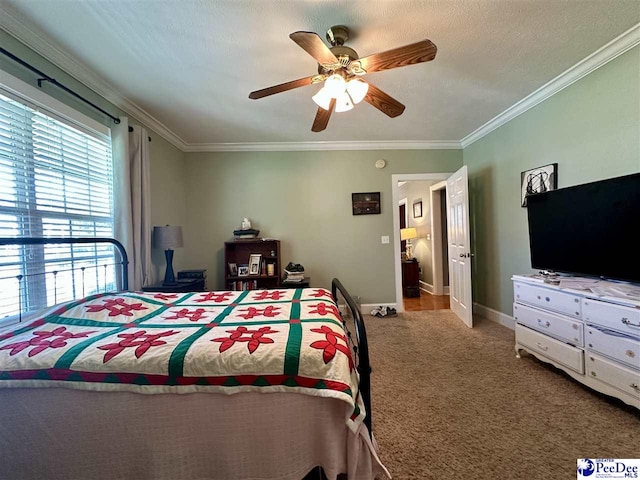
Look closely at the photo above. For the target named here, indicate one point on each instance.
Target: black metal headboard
(24, 241)
(358, 345)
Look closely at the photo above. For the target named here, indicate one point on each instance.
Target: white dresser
(594, 339)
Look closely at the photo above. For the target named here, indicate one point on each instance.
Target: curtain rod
(131, 130)
(53, 81)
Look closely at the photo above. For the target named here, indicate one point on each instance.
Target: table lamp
(168, 238)
(407, 234)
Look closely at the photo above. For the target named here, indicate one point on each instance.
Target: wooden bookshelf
(239, 251)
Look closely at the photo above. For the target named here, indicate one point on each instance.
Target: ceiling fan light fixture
(335, 85)
(357, 89)
(322, 98)
(343, 103)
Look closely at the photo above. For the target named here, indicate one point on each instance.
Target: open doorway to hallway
(421, 226)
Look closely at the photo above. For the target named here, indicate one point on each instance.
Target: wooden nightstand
(186, 285)
(410, 278)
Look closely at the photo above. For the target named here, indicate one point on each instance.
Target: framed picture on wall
(417, 209)
(365, 203)
(538, 180)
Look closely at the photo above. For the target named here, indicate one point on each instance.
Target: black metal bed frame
(358, 345)
(124, 259)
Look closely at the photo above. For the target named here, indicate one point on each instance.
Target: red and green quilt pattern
(223, 342)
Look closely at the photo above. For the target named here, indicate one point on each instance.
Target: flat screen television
(591, 229)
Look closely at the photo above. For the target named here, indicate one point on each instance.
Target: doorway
(414, 211)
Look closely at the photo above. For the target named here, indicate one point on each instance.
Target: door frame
(395, 194)
(436, 237)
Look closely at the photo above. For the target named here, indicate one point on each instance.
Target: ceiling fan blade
(314, 46)
(283, 87)
(322, 117)
(423, 51)
(383, 102)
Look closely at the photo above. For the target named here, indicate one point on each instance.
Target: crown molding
(324, 146)
(24, 31)
(600, 57)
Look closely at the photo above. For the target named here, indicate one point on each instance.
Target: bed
(260, 384)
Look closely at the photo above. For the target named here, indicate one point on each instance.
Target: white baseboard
(426, 287)
(494, 315)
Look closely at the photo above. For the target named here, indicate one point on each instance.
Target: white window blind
(55, 181)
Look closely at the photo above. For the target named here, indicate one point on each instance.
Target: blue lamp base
(169, 277)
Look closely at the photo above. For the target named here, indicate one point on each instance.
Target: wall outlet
(385, 239)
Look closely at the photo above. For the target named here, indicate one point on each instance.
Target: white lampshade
(335, 85)
(167, 237)
(408, 233)
(343, 103)
(357, 89)
(322, 98)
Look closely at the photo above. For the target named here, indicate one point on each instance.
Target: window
(56, 180)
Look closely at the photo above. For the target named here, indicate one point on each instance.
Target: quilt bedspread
(222, 342)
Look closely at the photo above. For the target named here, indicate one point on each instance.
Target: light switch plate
(385, 239)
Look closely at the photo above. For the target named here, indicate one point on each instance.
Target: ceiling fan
(340, 68)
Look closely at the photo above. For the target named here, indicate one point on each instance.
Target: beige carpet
(451, 402)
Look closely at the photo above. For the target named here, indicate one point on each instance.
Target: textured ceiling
(191, 64)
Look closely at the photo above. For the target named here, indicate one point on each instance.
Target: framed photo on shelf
(255, 260)
(243, 270)
(538, 180)
(417, 209)
(233, 269)
(365, 203)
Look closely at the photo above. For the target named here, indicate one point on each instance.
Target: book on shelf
(241, 285)
(242, 234)
(294, 277)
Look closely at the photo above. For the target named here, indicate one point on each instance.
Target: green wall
(167, 162)
(591, 129)
(304, 199)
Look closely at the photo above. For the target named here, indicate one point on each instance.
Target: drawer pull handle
(547, 299)
(542, 347)
(630, 353)
(628, 322)
(577, 300)
(590, 346)
(593, 374)
(545, 324)
(635, 386)
(575, 326)
(539, 297)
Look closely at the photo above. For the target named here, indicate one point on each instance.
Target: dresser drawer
(548, 299)
(613, 374)
(611, 344)
(570, 357)
(564, 328)
(624, 319)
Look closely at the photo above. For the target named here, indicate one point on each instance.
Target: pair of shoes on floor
(383, 311)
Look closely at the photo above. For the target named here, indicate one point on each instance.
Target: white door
(459, 248)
